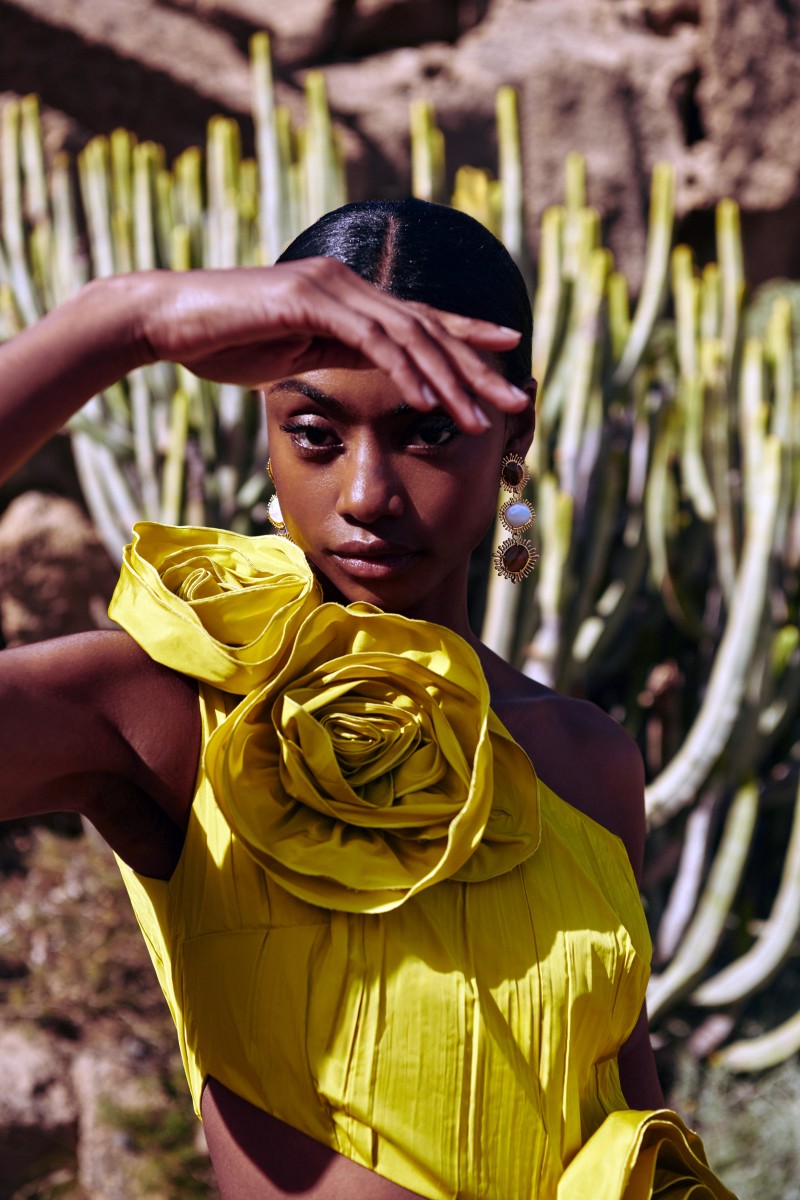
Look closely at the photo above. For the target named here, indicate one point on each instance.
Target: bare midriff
(258, 1157)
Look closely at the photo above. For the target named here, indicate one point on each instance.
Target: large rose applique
(215, 605)
(363, 772)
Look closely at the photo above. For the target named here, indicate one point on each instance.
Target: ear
(520, 426)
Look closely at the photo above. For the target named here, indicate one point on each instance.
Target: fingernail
(428, 396)
(481, 417)
(508, 329)
(518, 393)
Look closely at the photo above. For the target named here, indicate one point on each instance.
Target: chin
(392, 591)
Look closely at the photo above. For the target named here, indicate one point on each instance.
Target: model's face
(387, 502)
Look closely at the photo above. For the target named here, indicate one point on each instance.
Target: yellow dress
(383, 929)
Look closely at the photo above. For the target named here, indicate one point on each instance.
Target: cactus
(747, 974)
(665, 471)
(706, 928)
(427, 153)
(760, 1053)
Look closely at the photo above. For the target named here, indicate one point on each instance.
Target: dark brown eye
(307, 436)
(434, 432)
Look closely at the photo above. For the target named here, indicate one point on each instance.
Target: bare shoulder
(594, 764)
(580, 752)
(108, 709)
(103, 671)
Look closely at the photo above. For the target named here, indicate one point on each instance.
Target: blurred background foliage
(665, 474)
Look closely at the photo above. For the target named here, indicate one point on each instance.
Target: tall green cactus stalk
(775, 940)
(665, 472)
(272, 154)
(427, 153)
(707, 926)
(656, 272)
(512, 196)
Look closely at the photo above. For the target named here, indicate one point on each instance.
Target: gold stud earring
(516, 557)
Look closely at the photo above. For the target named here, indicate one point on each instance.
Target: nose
(369, 488)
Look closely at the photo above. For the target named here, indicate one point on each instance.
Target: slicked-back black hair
(427, 252)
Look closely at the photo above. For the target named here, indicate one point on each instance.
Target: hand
(254, 325)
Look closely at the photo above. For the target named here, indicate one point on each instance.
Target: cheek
(465, 511)
(307, 504)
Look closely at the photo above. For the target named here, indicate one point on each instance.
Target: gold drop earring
(516, 557)
(274, 507)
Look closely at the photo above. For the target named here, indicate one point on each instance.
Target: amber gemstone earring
(515, 558)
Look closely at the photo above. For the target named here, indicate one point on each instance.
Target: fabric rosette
(363, 772)
(641, 1155)
(215, 605)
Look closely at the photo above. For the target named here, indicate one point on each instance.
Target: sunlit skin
(386, 502)
(123, 732)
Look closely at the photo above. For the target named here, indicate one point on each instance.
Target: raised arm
(90, 724)
(244, 326)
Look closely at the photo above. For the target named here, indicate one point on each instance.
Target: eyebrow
(333, 406)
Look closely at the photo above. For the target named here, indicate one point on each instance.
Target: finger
(481, 376)
(440, 380)
(461, 375)
(419, 368)
(389, 334)
(472, 329)
(448, 354)
(410, 342)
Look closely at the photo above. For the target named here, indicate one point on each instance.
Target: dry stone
(38, 1110)
(108, 1093)
(709, 85)
(55, 576)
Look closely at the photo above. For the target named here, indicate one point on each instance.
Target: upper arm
(596, 766)
(613, 761)
(638, 1075)
(87, 708)
(615, 764)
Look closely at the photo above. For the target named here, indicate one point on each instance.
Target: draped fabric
(383, 928)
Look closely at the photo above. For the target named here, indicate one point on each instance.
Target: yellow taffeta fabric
(383, 929)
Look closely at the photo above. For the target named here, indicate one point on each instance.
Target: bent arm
(637, 1068)
(90, 724)
(51, 369)
(244, 326)
(603, 775)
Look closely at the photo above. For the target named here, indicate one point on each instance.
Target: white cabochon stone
(518, 515)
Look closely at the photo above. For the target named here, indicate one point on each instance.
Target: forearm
(244, 326)
(637, 1069)
(51, 369)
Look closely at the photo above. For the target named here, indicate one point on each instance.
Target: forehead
(343, 394)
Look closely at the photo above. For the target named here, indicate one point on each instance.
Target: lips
(374, 559)
(374, 548)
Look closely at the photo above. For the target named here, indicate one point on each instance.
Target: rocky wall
(710, 85)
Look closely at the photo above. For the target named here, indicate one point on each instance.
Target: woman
(399, 963)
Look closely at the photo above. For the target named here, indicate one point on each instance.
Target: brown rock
(110, 1096)
(50, 469)
(750, 68)
(38, 1111)
(709, 85)
(55, 577)
(148, 67)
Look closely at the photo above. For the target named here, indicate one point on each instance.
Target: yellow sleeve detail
(641, 1156)
(215, 605)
